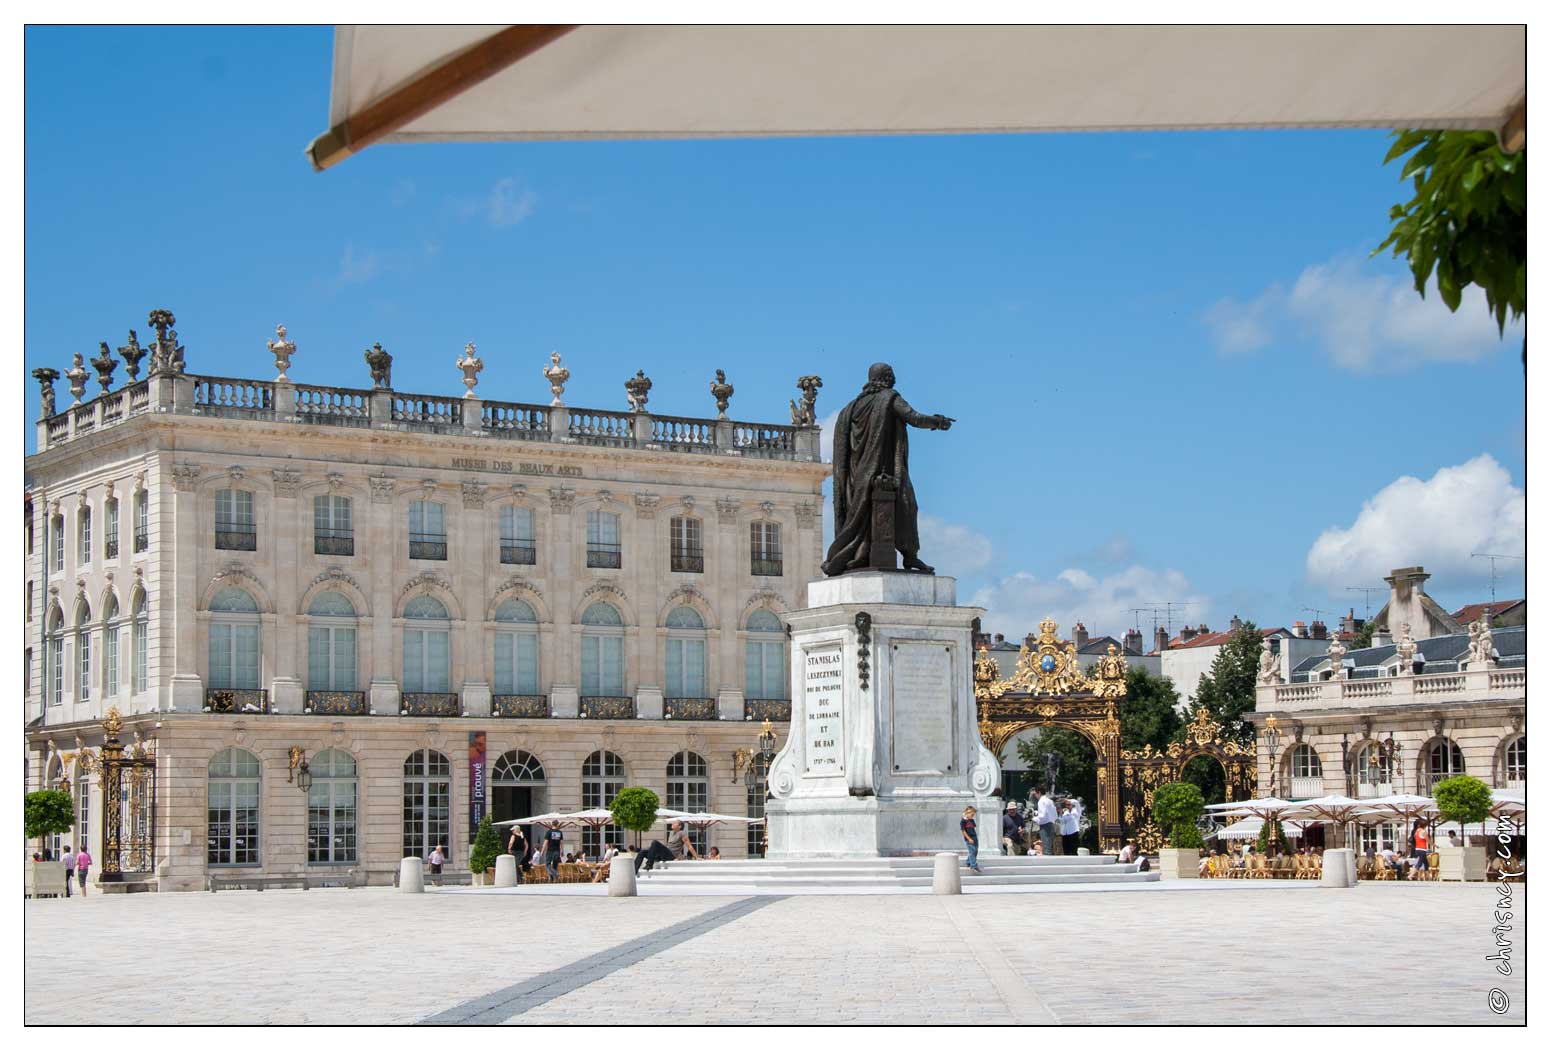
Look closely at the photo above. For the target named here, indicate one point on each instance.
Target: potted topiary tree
(1464, 799)
(1175, 808)
(47, 813)
(635, 810)
(483, 852)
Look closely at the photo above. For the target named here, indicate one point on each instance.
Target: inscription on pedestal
(921, 693)
(823, 686)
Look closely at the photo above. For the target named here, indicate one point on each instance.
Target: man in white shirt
(1069, 826)
(1046, 818)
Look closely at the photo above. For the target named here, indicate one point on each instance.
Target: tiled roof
(1440, 654)
(1100, 644)
(1472, 612)
(1216, 638)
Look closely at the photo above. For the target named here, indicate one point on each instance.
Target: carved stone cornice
(561, 500)
(185, 476)
(287, 481)
(333, 574)
(427, 579)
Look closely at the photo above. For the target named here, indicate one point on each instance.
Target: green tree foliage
(1271, 840)
(1228, 688)
(1149, 712)
(1362, 638)
(635, 810)
(485, 848)
(47, 813)
(1464, 799)
(1175, 806)
(1466, 220)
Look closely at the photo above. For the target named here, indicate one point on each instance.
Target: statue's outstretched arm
(916, 419)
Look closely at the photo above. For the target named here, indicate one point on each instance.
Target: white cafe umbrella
(1264, 808)
(1397, 808)
(468, 83)
(697, 818)
(1249, 828)
(1507, 803)
(1338, 810)
(554, 820)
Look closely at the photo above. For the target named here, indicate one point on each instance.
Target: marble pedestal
(884, 751)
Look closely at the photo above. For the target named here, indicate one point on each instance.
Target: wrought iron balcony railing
(518, 554)
(603, 556)
(765, 567)
(236, 538)
(687, 562)
(689, 708)
(608, 707)
(333, 542)
(336, 702)
(756, 710)
(430, 704)
(110, 549)
(430, 546)
(516, 706)
(236, 702)
(142, 542)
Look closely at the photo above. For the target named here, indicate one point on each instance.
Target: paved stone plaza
(1166, 953)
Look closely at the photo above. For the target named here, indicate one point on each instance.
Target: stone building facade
(259, 575)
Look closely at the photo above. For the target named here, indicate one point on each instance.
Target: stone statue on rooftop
(804, 413)
(875, 504)
(381, 364)
(1405, 649)
(1481, 653)
(471, 365)
(77, 375)
(1270, 664)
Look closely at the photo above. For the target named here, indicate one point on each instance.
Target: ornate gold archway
(1143, 770)
(1049, 688)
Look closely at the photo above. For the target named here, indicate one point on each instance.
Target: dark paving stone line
(494, 1008)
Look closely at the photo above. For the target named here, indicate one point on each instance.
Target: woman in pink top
(83, 867)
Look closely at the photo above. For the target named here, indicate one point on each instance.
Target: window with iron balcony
(765, 549)
(142, 523)
(427, 530)
(234, 527)
(517, 547)
(332, 530)
(685, 553)
(603, 549)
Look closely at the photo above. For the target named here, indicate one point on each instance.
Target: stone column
(472, 584)
(178, 614)
(727, 586)
(288, 686)
(563, 690)
(377, 533)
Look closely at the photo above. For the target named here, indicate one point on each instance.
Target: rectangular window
(427, 530)
(84, 534)
(27, 674)
(425, 661)
(517, 663)
(686, 668)
(142, 522)
(29, 600)
(58, 529)
(332, 531)
(331, 822)
(110, 530)
(517, 548)
(765, 671)
(234, 656)
(83, 664)
(685, 555)
(56, 671)
(138, 638)
(603, 666)
(110, 658)
(331, 659)
(765, 549)
(602, 540)
(234, 527)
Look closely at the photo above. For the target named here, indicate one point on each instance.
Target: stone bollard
(1083, 852)
(1337, 868)
(622, 876)
(411, 876)
(945, 874)
(506, 870)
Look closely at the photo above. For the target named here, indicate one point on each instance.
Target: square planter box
(1174, 863)
(1462, 863)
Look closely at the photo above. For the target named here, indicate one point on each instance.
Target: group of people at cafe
(547, 851)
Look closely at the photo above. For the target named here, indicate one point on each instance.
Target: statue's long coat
(871, 438)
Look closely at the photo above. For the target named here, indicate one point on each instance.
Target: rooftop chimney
(1300, 629)
(1405, 601)
(1079, 635)
(1160, 639)
(1235, 624)
(1187, 633)
(1133, 643)
(1000, 638)
(1317, 630)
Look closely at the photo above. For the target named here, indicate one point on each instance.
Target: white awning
(482, 83)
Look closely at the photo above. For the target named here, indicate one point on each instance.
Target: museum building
(331, 627)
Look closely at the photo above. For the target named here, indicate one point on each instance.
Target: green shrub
(635, 810)
(486, 847)
(1271, 840)
(47, 813)
(1175, 807)
(1464, 799)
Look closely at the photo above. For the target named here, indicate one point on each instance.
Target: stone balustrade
(1485, 685)
(321, 406)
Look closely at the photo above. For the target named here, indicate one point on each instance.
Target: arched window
(427, 803)
(331, 808)
(1374, 777)
(53, 774)
(755, 802)
(83, 533)
(56, 657)
(1444, 760)
(331, 643)
(517, 786)
(234, 641)
(603, 651)
(689, 788)
(764, 676)
(516, 649)
(110, 648)
(83, 652)
(232, 809)
(1516, 762)
(603, 776)
(686, 654)
(427, 629)
(1306, 774)
(139, 633)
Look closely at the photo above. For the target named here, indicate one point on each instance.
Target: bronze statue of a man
(875, 504)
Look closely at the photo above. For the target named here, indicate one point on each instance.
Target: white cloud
(1361, 318)
(1015, 605)
(1437, 524)
(356, 267)
(507, 203)
(954, 549)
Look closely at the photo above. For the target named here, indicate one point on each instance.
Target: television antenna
(1163, 611)
(1493, 560)
(1367, 604)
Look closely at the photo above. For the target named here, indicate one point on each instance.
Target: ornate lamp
(1272, 736)
(303, 777)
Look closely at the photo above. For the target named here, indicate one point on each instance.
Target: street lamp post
(1272, 736)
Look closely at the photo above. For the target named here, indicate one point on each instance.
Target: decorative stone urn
(282, 349)
(721, 390)
(1179, 863)
(46, 378)
(132, 353)
(472, 366)
(77, 375)
(556, 374)
(104, 364)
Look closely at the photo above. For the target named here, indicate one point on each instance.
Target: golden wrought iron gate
(128, 804)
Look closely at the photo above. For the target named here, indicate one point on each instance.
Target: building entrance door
(511, 801)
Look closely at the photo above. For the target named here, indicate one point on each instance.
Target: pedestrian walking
(554, 840)
(1045, 817)
(437, 859)
(68, 857)
(1069, 819)
(83, 868)
(518, 846)
(971, 838)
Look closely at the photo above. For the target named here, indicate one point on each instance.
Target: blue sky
(1177, 374)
